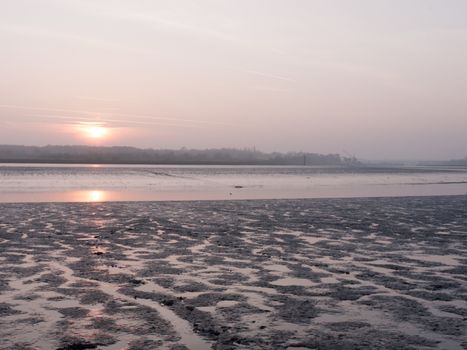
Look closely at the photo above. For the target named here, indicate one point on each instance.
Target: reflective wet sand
(382, 273)
(87, 183)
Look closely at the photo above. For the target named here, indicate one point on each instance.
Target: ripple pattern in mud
(290, 274)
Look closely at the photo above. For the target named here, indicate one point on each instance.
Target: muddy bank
(381, 273)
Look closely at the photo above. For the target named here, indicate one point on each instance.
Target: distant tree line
(132, 155)
(452, 162)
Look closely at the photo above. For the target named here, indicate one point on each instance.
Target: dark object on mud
(74, 312)
(238, 186)
(168, 302)
(136, 281)
(79, 346)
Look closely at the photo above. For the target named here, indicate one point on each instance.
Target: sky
(377, 79)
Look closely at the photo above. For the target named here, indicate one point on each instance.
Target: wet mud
(380, 273)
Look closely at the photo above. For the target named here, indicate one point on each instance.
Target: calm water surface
(96, 183)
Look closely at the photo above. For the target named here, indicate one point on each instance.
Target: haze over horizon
(375, 79)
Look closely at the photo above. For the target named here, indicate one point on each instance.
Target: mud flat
(380, 273)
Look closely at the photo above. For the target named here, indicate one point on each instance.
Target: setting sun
(96, 196)
(96, 132)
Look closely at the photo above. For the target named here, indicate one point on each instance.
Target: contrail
(264, 74)
(95, 121)
(74, 111)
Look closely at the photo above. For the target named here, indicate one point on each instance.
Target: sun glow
(95, 196)
(96, 132)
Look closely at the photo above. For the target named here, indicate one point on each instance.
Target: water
(96, 183)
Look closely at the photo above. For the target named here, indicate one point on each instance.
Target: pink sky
(376, 79)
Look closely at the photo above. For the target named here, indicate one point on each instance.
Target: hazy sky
(380, 79)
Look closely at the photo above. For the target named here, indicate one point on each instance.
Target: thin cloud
(103, 121)
(269, 88)
(170, 22)
(93, 115)
(264, 74)
(35, 31)
(98, 99)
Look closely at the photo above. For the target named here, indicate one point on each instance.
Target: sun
(96, 196)
(93, 132)
(96, 132)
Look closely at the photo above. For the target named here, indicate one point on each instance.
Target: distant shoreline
(80, 154)
(52, 162)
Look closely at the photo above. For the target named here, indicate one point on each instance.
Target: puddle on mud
(277, 268)
(450, 260)
(290, 281)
